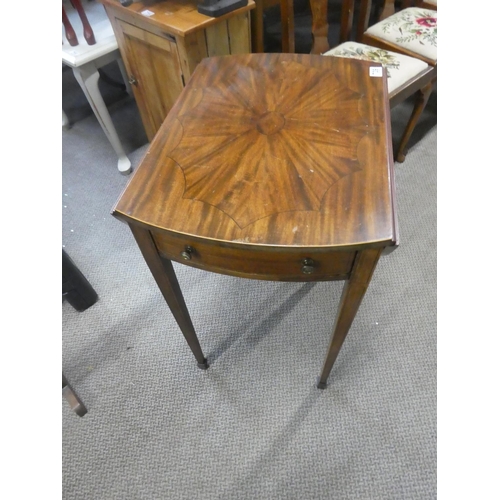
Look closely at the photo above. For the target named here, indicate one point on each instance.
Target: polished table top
(272, 150)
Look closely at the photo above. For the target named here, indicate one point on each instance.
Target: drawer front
(266, 263)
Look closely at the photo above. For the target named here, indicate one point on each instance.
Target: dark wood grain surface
(274, 150)
(269, 166)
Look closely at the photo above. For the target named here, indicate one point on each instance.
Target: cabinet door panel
(154, 64)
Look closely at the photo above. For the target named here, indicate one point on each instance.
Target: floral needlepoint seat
(412, 30)
(400, 69)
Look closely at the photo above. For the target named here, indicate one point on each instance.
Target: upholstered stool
(412, 31)
(400, 69)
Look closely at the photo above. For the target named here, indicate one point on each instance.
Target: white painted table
(85, 60)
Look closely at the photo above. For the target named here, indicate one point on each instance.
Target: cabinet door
(155, 73)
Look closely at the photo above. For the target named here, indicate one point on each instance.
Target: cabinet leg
(88, 76)
(164, 275)
(352, 295)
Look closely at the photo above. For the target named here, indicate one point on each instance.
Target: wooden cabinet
(154, 71)
(161, 44)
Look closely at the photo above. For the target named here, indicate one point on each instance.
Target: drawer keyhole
(307, 266)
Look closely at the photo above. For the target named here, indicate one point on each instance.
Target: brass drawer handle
(307, 266)
(186, 255)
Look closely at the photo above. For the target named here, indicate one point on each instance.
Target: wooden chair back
(320, 27)
(365, 12)
(287, 24)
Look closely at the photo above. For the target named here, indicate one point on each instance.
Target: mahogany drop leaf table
(273, 167)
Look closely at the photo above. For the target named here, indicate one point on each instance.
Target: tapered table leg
(164, 275)
(352, 295)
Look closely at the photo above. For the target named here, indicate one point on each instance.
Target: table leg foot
(124, 165)
(204, 365)
(321, 385)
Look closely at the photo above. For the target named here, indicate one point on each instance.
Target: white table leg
(88, 76)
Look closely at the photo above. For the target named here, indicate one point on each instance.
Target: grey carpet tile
(253, 426)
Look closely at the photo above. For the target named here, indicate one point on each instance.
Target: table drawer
(246, 261)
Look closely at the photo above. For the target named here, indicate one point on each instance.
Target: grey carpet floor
(253, 426)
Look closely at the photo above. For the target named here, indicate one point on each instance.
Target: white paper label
(147, 13)
(375, 71)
